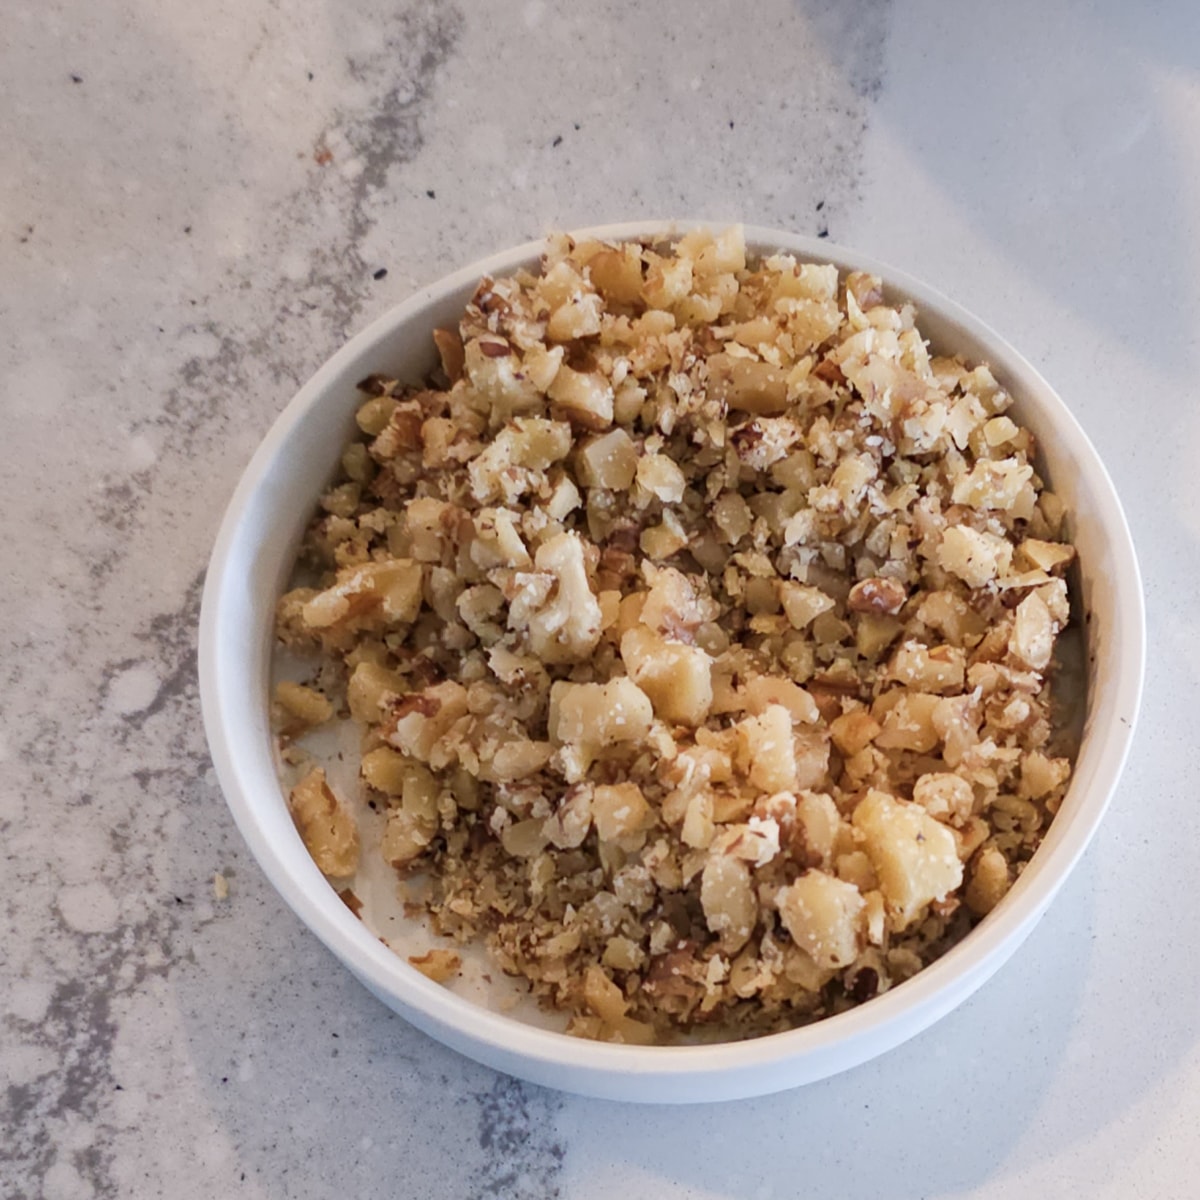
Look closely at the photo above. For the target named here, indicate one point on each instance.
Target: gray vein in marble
(78, 1023)
(186, 234)
(523, 1157)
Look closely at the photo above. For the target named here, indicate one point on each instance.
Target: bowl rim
(828, 1045)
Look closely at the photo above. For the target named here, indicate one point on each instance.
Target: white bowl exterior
(253, 558)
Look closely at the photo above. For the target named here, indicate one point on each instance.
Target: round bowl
(253, 558)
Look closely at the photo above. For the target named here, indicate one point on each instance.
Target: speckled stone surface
(198, 203)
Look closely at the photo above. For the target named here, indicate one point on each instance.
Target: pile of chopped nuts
(700, 625)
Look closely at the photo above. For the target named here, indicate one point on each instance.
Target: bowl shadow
(300, 1065)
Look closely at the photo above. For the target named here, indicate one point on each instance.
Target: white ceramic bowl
(253, 558)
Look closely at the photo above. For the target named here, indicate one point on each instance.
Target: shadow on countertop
(1049, 132)
(318, 1090)
(937, 1116)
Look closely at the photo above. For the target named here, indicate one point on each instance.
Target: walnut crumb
(438, 965)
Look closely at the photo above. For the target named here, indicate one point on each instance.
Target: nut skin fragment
(450, 347)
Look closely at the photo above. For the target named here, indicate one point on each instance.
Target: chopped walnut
(326, 826)
(701, 629)
(438, 965)
(989, 882)
(824, 916)
(302, 707)
(914, 855)
(567, 628)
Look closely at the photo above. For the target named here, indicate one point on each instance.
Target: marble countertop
(198, 204)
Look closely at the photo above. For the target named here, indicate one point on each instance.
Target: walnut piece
(326, 826)
(438, 965)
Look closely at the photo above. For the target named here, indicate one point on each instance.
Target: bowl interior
(253, 560)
